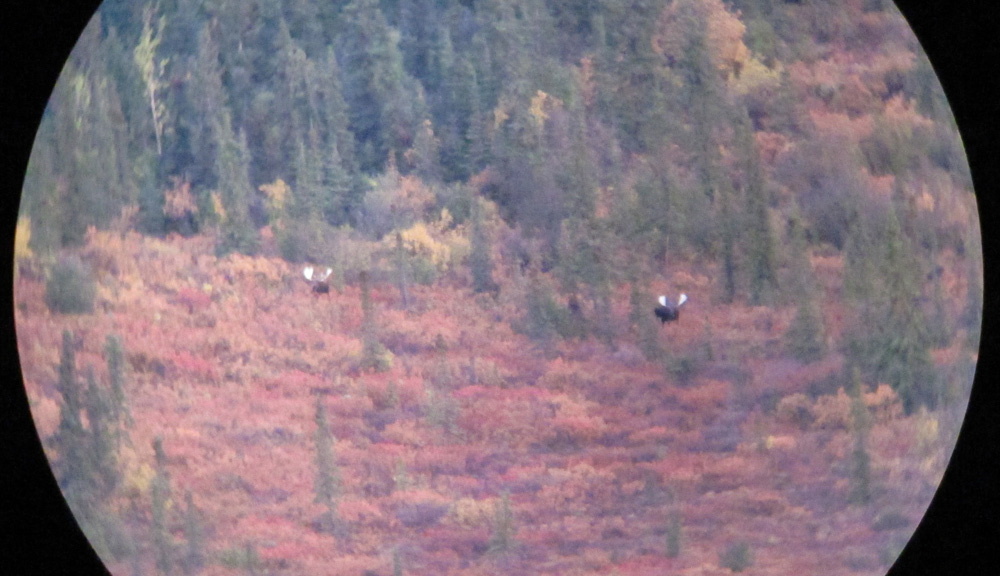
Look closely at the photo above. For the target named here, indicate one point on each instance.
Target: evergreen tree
(115, 356)
(373, 354)
(640, 315)
(341, 201)
(340, 161)
(402, 266)
(194, 554)
(863, 252)
(480, 257)
(652, 214)
(70, 438)
(425, 157)
(544, 319)
(889, 340)
(728, 225)
(80, 173)
(972, 312)
(237, 231)
(674, 535)
(397, 563)
(761, 259)
(418, 26)
(163, 547)
(375, 86)
(502, 538)
(208, 102)
(904, 357)
(327, 484)
(40, 192)
(102, 458)
(861, 488)
(583, 267)
(305, 210)
(305, 25)
(804, 338)
(247, 46)
(702, 94)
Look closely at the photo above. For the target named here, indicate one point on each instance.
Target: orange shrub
(707, 395)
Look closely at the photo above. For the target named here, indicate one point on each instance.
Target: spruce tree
(864, 254)
(502, 538)
(804, 338)
(115, 357)
(163, 546)
(477, 136)
(480, 257)
(302, 231)
(340, 156)
(904, 357)
(194, 554)
(340, 200)
(70, 438)
(208, 101)
(761, 258)
(861, 480)
(640, 313)
(327, 484)
(727, 223)
(80, 173)
(425, 153)
(402, 266)
(237, 232)
(375, 86)
(397, 563)
(102, 457)
(972, 312)
(674, 528)
(374, 356)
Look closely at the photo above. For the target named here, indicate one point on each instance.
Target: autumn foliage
(484, 389)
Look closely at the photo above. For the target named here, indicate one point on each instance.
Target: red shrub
(193, 299)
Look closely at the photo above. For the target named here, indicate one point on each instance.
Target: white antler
(308, 273)
(325, 275)
(683, 299)
(663, 300)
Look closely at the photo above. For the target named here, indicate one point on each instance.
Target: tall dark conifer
(194, 534)
(327, 484)
(208, 102)
(102, 450)
(160, 495)
(481, 258)
(114, 355)
(860, 465)
(804, 338)
(237, 232)
(374, 356)
(904, 357)
(375, 85)
(70, 438)
(761, 255)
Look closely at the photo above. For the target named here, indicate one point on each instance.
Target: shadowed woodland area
(501, 189)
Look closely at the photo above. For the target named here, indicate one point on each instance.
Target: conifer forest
(492, 196)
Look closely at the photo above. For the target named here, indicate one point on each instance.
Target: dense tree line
(592, 126)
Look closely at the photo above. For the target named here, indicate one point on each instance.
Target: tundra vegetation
(501, 189)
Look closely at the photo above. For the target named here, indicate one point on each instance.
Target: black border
(40, 536)
(960, 533)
